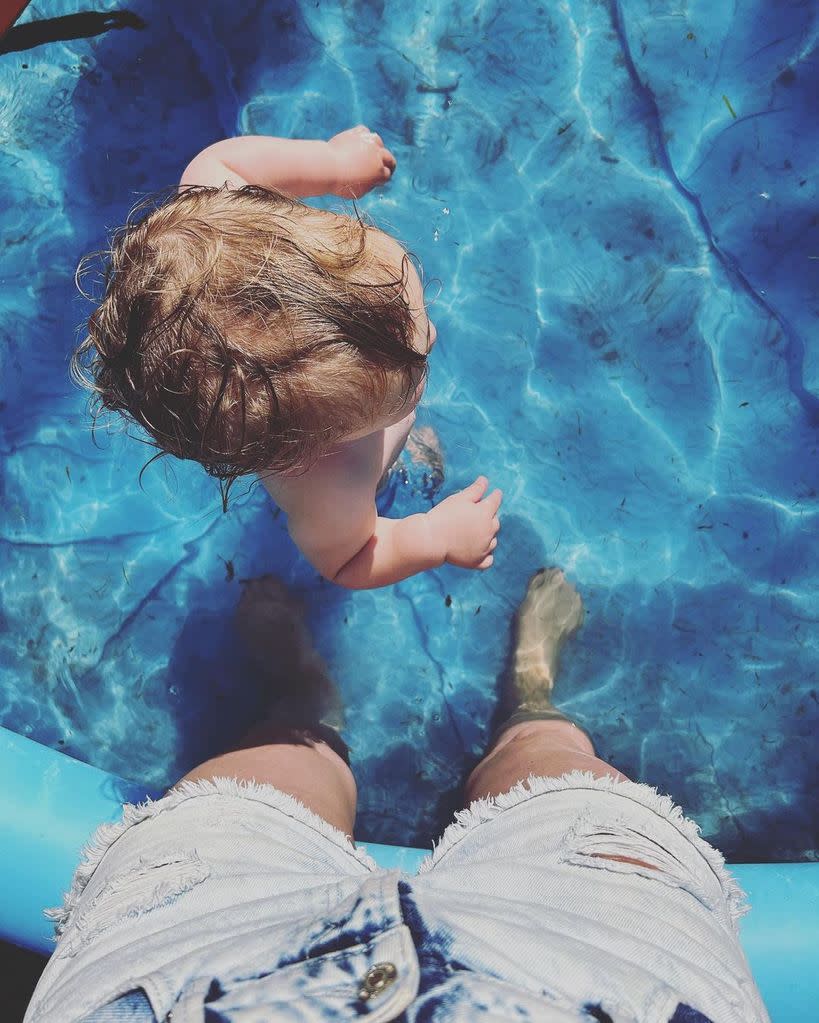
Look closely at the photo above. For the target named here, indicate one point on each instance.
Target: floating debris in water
(727, 102)
(83, 25)
(443, 90)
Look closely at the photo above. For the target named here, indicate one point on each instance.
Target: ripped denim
(227, 902)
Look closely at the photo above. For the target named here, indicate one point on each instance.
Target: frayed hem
(484, 810)
(135, 813)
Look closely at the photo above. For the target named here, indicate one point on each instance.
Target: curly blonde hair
(246, 330)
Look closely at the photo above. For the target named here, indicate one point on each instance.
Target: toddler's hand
(469, 525)
(363, 161)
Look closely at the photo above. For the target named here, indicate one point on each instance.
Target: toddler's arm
(336, 526)
(349, 164)
(460, 530)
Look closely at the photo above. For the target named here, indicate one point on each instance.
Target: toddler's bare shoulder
(340, 476)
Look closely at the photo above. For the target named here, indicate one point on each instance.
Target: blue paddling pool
(618, 204)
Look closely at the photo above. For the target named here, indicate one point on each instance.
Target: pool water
(620, 203)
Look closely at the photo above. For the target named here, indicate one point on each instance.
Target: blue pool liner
(50, 804)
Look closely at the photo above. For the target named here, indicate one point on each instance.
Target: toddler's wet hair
(246, 330)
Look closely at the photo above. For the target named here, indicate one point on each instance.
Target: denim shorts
(227, 902)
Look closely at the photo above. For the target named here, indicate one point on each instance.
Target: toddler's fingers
(389, 159)
(477, 489)
(376, 138)
(493, 502)
(496, 524)
(487, 562)
(494, 544)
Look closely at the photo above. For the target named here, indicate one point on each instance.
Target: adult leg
(523, 887)
(297, 750)
(314, 774)
(536, 738)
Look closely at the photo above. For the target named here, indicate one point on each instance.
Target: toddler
(255, 334)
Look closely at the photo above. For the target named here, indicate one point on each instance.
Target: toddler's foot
(426, 460)
(424, 449)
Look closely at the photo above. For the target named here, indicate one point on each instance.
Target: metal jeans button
(376, 980)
